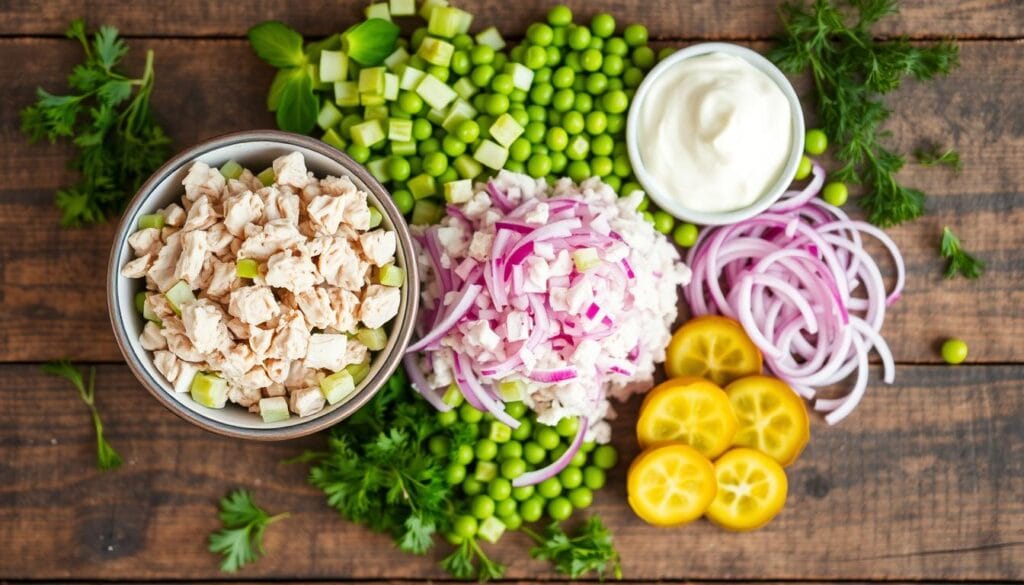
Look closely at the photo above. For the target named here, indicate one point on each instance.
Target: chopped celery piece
(180, 295)
(346, 93)
(512, 390)
(371, 81)
(458, 191)
(491, 37)
(274, 409)
(378, 11)
(333, 66)
(436, 116)
(375, 113)
(267, 177)
(358, 371)
(149, 314)
(447, 21)
(411, 77)
(427, 10)
(485, 471)
(329, 116)
(403, 7)
(421, 186)
(436, 51)
(465, 88)
(585, 259)
(467, 167)
(372, 100)
(151, 220)
(314, 75)
(399, 57)
(491, 530)
(373, 339)
(522, 76)
(375, 217)
(459, 110)
(390, 87)
(491, 155)
(399, 130)
(391, 275)
(337, 386)
(499, 432)
(247, 268)
(367, 133)
(505, 130)
(379, 169)
(453, 396)
(140, 301)
(331, 137)
(231, 170)
(403, 148)
(435, 92)
(426, 212)
(209, 390)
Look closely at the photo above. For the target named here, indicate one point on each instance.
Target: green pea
(434, 163)
(506, 506)
(632, 77)
(532, 509)
(835, 193)
(663, 222)
(497, 104)
(404, 201)
(616, 122)
(558, 451)
(472, 486)
(512, 521)
(815, 142)
(525, 430)
(587, 446)
(613, 182)
(481, 75)
(539, 165)
(514, 166)
(502, 83)
(542, 93)
(463, 454)
(451, 146)
(482, 506)
(593, 477)
(573, 122)
(954, 351)
(500, 60)
(517, 53)
(591, 60)
(579, 38)
(571, 477)
(665, 53)
(513, 468)
(581, 497)
(563, 77)
(597, 123)
(643, 57)
(603, 24)
(583, 103)
(560, 15)
(597, 83)
(398, 168)
(360, 154)
(540, 149)
(602, 145)
(534, 132)
(461, 63)
(467, 131)
(519, 150)
(482, 55)
(439, 72)
(553, 56)
(522, 493)
(615, 102)
(462, 41)
(511, 450)
(558, 162)
(519, 114)
(563, 100)
(421, 129)
(635, 35)
(572, 61)
(486, 450)
(616, 46)
(535, 57)
(409, 102)
(601, 166)
(540, 34)
(438, 445)
(533, 453)
(559, 509)
(615, 83)
(549, 488)
(613, 66)
(646, 215)
(537, 113)
(465, 526)
(557, 139)
(579, 459)
(596, 43)
(455, 474)
(568, 426)
(605, 456)
(623, 169)
(579, 171)
(685, 235)
(499, 489)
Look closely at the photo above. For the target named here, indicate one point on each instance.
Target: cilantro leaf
(241, 539)
(960, 262)
(106, 457)
(591, 550)
(277, 44)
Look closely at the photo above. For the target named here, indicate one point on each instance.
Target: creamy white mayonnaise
(715, 132)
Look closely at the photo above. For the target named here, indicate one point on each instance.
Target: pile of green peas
(482, 472)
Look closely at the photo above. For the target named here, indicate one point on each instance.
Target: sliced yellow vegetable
(712, 347)
(690, 410)
(670, 485)
(751, 490)
(772, 418)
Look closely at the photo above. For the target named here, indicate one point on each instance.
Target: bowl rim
(402, 333)
(766, 199)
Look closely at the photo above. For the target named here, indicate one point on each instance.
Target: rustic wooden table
(924, 482)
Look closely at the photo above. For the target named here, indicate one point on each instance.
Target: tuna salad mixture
(557, 296)
(266, 291)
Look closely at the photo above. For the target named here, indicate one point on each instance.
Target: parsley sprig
(590, 550)
(852, 71)
(106, 457)
(241, 540)
(119, 142)
(469, 561)
(960, 262)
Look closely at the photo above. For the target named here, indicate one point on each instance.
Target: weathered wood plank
(667, 19)
(51, 280)
(923, 482)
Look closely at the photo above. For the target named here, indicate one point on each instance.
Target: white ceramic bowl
(657, 192)
(254, 150)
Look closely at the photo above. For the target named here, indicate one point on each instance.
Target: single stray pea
(835, 193)
(954, 351)
(815, 142)
(685, 235)
(663, 222)
(803, 170)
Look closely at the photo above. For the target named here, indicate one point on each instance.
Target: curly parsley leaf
(241, 539)
(960, 262)
(106, 457)
(590, 550)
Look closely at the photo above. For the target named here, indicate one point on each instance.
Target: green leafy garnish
(461, 563)
(241, 540)
(960, 262)
(852, 71)
(934, 156)
(106, 457)
(370, 41)
(291, 94)
(591, 550)
(119, 142)
(277, 44)
(298, 107)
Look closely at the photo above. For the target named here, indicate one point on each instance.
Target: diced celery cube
(359, 371)
(378, 11)
(231, 170)
(491, 529)
(151, 220)
(410, 78)
(453, 396)
(522, 76)
(467, 167)
(435, 92)
(458, 191)
(426, 212)
(491, 37)
(390, 87)
(404, 148)
(247, 268)
(374, 339)
(314, 74)
(375, 112)
(465, 88)
(209, 390)
(329, 116)
(491, 155)
(499, 432)
(485, 471)
(346, 93)
(505, 130)
(403, 7)
(398, 57)
(512, 390)
(371, 81)
(399, 130)
(428, 8)
(333, 66)
(149, 314)
(436, 51)
(585, 259)
(140, 301)
(367, 133)
(267, 176)
(391, 275)
(446, 21)
(421, 186)
(379, 169)
(375, 218)
(459, 110)
(331, 137)
(274, 409)
(337, 386)
(372, 100)
(180, 295)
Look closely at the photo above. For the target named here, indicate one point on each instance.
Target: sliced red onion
(470, 386)
(458, 309)
(539, 475)
(420, 384)
(553, 376)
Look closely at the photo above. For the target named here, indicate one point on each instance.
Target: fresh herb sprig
(106, 457)
(241, 539)
(960, 262)
(590, 550)
(461, 563)
(852, 71)
(119, 142)
(934, 156)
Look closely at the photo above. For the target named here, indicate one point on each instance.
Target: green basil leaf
(277, 44)
(371, 41)
(281, 80)
(298, 107)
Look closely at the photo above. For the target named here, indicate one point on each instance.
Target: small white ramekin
(658, 193)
